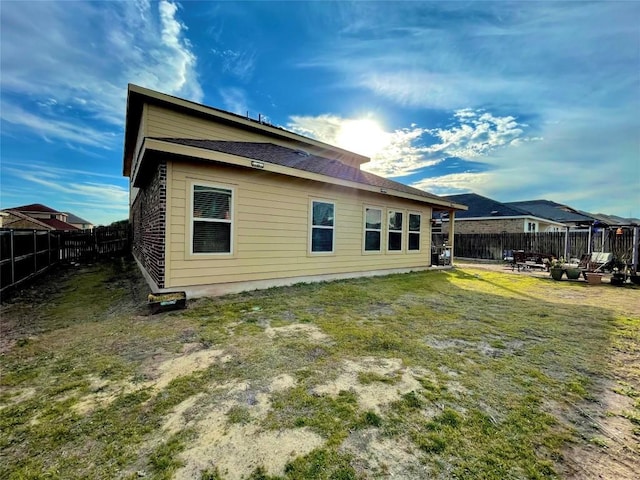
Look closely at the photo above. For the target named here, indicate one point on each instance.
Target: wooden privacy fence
(25, 254)
(572, 244)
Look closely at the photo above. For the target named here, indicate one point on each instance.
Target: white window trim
(419, 232)
(230, 221)
(365, 230)
(312, 226)
(402, 231)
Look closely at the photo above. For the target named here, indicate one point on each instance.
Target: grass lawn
(462, 373)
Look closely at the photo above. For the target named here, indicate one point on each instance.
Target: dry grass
(446, 374)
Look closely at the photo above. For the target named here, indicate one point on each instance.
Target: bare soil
(611, 452)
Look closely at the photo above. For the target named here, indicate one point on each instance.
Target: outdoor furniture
(595, 261)
(530, 260)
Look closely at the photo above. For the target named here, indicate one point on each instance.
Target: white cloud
(477, 134)
(49, 127)
(403, 151)
(453, 183)
(77, 58)
(234, 100)
(71, 190)
(238, 63)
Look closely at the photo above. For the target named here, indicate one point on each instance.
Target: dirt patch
(377, 456)
(612, 450)
(159, 375)
(237, 449)
(163, 373)
(374, 395)
(295, 329)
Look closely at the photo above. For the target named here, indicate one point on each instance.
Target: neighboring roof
(71, 218)
(22, 216)
(552, 210)
(50, 223)
(137, 96)
(58, 224)
(612, 220)
(480, 206)
(300, 160)
(34, 207)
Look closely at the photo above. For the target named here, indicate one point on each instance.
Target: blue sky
(515, 101)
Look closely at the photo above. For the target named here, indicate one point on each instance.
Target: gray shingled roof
(480, 206)
(71, 218)
(551, 210)
(288, 157)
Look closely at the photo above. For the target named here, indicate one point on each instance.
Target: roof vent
(494, 212)
(303, 153)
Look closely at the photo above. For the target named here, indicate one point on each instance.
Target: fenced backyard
(464, 373)
(25, 254)
(572, 244)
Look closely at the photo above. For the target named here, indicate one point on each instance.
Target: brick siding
(148, 217)
(508, 225)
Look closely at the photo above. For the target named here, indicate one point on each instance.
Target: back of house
(222, 203)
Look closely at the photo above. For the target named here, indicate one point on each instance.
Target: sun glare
(364, 136)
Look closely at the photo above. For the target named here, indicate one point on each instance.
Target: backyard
(463, 373)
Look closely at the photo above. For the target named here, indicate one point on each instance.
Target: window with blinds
(414, 231)
(322, 226)
(211, 216)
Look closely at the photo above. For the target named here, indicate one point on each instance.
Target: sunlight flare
(364, 136)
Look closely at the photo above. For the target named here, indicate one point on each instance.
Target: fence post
(13, 258)
(35, 252)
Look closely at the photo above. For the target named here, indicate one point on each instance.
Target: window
(372, 229)
(211, 219)
(322, 226)
(395, 231)
(532, 227)
(414, 231)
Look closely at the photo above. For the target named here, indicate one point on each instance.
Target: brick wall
(498, 225)
(148, 218)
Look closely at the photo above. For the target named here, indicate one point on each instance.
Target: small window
(395, 231)
(211, 219)
(372, 229)
(414, 231)
(322, 226)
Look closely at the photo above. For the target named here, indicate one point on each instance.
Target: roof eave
(154, 145)
(137, 96)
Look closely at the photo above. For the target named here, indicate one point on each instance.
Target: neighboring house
(78, 222)
(221, 203)
(36, 216)
(490, 216)
(611, 220)
(556, 212)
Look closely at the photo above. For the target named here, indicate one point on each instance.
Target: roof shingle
(298, 159)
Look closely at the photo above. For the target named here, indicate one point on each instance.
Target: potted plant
(556, 268)
(573, 273)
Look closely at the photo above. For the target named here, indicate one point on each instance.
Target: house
(486, 215)
(556, 212)
(78, 222)
(223, 203)
(37, 217)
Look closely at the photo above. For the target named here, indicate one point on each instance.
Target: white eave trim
(150, 144)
